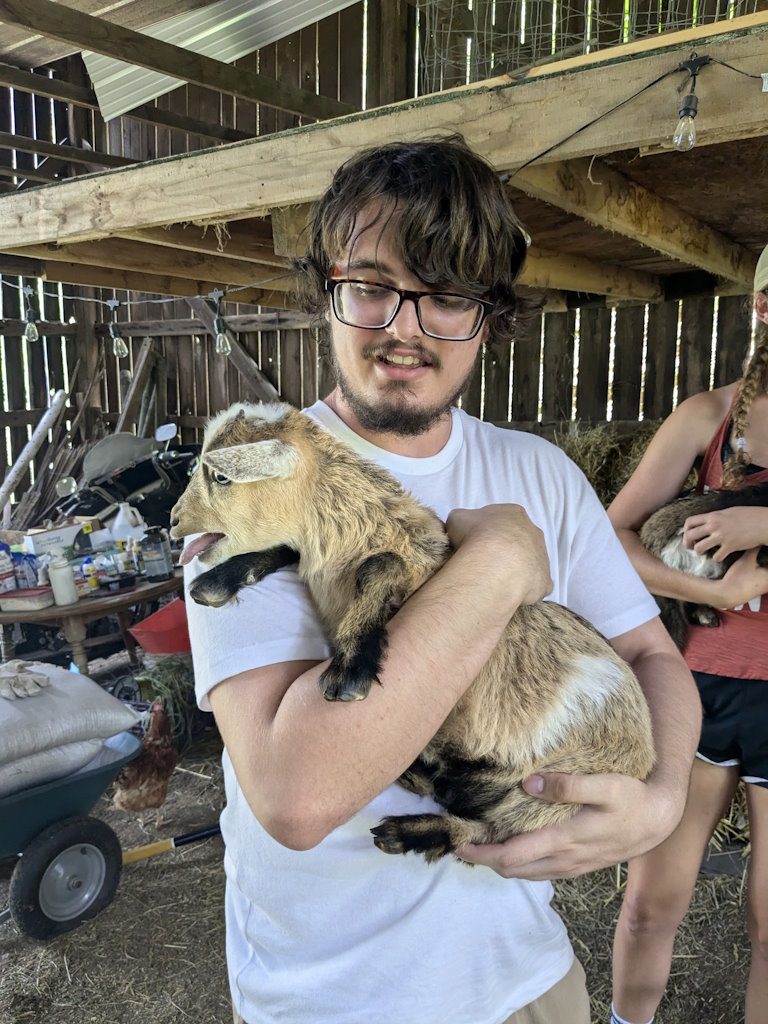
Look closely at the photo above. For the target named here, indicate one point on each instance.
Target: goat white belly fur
(553, 696)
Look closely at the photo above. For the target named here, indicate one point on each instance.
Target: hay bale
(606, 458)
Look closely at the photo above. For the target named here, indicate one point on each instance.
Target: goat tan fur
(554, 695)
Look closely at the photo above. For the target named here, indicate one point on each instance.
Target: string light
(684, 137)
(119, 348)
(31, 332)
(223, 345)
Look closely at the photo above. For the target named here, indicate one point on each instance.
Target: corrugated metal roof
(225, 31)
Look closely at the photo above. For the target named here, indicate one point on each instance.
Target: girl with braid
(723, 434)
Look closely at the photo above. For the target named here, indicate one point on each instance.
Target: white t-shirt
(344, 933)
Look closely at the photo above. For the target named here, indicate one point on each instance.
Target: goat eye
(220, 478)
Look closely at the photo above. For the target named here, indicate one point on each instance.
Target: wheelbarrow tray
(26, 813)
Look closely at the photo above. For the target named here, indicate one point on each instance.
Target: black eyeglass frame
(405, 293)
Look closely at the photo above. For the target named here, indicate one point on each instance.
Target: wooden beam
(15, 329)
(151, 283)
(141, 371)
(603, 196)
(574, 274)
(70, 154)
(67, 92)
(249, 371)
(13, 265)
(541, 269)
(507, 122)
(289, 229)
(88, 33)
(248, 241)
(37, 174)
(32, 50)
(119, 254)
(280, 320)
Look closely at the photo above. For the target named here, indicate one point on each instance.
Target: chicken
(143, 782)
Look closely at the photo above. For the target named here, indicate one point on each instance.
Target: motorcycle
(125, 468)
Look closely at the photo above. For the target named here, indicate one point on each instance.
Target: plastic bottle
(62, 580)
(127, 523)
(156, 550)
(7, 575)
(90, 572)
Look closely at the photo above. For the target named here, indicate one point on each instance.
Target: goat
(662, 535)
(554, 695)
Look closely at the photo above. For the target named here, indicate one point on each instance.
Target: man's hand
(730, 529)
(621, 818)
(504, 537)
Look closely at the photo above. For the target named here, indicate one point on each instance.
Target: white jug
(127, 523)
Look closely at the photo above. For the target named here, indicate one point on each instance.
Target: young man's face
(395, 379)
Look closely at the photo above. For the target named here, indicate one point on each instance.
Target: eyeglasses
(441, 315)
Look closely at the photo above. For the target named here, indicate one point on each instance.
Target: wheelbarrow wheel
(68, 874)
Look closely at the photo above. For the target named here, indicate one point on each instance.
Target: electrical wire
(148, 302)
(618, 106)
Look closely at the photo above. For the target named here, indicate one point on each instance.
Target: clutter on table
(65, 564)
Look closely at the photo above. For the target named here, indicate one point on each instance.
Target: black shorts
(735, 726)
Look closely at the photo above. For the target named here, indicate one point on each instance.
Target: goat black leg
(361, 639)
(220, 584)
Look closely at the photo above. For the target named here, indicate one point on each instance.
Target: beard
(394, 411)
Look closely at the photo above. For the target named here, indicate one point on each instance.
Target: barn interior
(158, 162)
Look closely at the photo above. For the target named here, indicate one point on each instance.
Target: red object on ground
(165, 632)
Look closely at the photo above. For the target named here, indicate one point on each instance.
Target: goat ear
(260, 460)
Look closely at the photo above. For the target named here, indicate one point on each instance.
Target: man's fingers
(561, 788)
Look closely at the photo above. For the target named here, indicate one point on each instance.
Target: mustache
(388, 348)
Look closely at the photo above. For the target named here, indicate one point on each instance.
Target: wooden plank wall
(590, 364)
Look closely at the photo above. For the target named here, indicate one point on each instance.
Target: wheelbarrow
(70, 863)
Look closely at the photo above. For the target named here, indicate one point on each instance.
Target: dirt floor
(156, 954)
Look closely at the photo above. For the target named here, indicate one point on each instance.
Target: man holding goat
(411, 264)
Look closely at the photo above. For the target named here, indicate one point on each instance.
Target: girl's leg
(659, 889)
(757, 905)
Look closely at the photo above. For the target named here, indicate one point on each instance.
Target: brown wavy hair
(455, 225)
(753, 383)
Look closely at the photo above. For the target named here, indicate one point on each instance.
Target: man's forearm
(676, 715)
(307, 765)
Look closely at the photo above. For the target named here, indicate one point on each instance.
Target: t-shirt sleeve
(601, 583)
(272, 621)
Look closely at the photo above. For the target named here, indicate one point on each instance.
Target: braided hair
(753, 383)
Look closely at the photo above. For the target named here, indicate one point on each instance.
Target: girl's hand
(731, 529)
(742, 582)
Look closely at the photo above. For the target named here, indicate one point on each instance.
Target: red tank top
(738, 647)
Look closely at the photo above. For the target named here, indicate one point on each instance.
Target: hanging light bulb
(685, 133)
(31, 332)
(223, 346)
(119, 348)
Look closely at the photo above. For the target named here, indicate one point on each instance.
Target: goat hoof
(209, 592)
(414, 833)
(707, 617)
(338, 686)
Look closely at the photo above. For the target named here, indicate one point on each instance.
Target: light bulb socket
(690, 105)
(219, 325)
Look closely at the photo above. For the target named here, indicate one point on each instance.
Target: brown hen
(143, 782)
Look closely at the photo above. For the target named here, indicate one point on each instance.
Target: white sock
(616, 1019)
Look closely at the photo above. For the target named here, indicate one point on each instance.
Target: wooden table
(73, 618)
